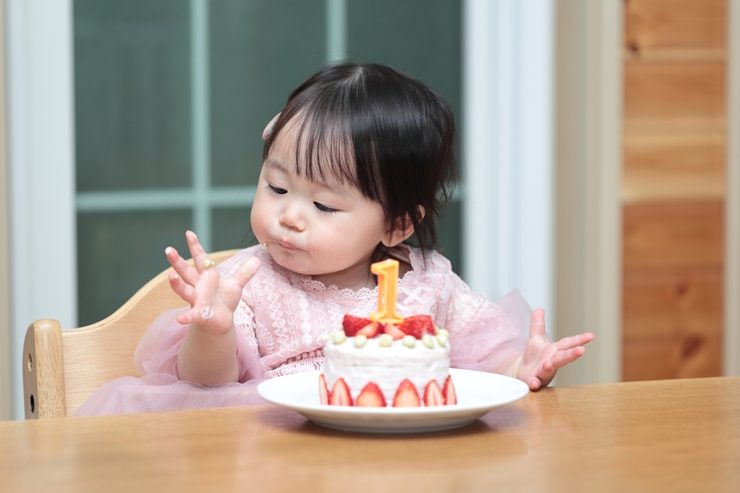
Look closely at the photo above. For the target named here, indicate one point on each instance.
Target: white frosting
(386, 366)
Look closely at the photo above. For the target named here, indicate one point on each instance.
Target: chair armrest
(43, 371)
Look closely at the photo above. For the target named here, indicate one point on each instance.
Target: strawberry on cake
(377, 364)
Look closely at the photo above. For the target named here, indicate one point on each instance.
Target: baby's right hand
(212, 298)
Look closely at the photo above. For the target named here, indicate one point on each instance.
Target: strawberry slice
(406, 395)
(352, 324)
(324, 393)
(393, 331)
(371, 396)
(418, 325)
(449, 392)
(433, 394)
(370, 330)
(340, 395)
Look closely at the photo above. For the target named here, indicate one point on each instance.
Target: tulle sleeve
(486, 335)
(158, 348)
(157, 351)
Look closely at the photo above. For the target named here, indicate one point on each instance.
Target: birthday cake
(386, 360)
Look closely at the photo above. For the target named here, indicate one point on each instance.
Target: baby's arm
(207, 355)
(542, 358)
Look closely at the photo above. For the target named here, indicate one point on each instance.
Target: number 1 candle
(387, 272)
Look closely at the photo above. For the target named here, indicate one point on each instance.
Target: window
(171, 98)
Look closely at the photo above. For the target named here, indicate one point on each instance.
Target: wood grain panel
(674, 90)
(673, 165)
(673, 357)
(673, 187)
(652, 25)
(671, 303)
(673, 234)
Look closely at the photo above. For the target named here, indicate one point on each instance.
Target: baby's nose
(292, 217)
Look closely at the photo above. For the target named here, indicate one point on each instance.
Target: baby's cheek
(258, 218)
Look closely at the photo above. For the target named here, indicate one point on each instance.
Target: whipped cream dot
(428, 341)
(360, 340)
(385, 340)
(409, 341)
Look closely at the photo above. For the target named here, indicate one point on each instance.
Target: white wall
(589, 238)
(41, 170)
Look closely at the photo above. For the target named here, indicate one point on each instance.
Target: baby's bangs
(324, 150)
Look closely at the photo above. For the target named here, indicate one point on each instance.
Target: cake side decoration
(387, 360)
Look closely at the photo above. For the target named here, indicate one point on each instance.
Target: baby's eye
(324, 208)
(277, 190)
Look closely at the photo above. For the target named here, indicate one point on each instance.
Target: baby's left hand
(543, 358)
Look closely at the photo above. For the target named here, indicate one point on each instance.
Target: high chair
(61, 368)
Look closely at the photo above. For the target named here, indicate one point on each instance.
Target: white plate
(477, 393)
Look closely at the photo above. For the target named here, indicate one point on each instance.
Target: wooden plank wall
(673, 187)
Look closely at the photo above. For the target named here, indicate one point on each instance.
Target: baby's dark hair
(399, 133)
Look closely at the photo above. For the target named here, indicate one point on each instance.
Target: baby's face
(326, 230)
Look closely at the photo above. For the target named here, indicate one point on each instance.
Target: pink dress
(281, 322)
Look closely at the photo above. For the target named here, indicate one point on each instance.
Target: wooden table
(679, 435)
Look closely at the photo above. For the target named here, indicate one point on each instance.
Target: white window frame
(40, 113)
(508, 149)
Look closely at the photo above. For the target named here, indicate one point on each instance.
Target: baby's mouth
(285, 244)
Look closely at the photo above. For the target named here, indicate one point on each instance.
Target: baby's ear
(403, 228)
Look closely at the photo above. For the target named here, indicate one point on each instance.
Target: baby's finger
(182, 289)
(186, 318)
(200, 257)
(246, 271)
(574, 341)
(562, 358)
(537, 324)
(534, 383)
(547, 371)
(182, 268)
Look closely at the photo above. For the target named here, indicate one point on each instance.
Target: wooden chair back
(61, 368)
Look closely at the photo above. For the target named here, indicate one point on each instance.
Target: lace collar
(400, 252)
